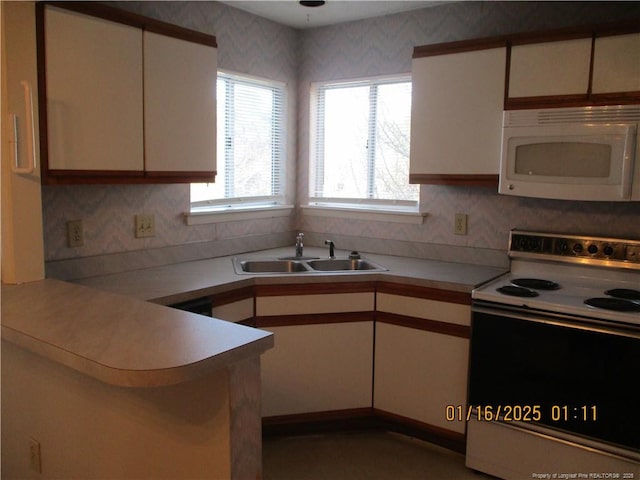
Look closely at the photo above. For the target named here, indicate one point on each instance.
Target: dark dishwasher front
(202, 306)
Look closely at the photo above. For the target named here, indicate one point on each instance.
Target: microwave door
(573, 162)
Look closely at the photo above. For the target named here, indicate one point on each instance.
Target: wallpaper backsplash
(252, 45)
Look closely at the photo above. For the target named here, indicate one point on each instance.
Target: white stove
(568, 277)
(555, 373)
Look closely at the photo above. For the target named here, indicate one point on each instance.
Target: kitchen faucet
(299, 245)
(332, 253)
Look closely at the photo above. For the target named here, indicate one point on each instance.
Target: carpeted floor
(360, 456)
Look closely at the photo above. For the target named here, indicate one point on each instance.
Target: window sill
(230, 214)
(365, 213)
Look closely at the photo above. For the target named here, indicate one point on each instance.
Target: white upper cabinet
(128, 99)
(553, 68)
(94, 93)
(456, 117)
(616, 64)
(180, 105)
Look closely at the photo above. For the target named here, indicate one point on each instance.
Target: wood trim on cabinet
(181, 177)
(587, 100)
(232, 296)
(279, 290)
(117, 15)
(317, 422)
(521, 103)
(361, 419)
(435, 326)
(524, 38)
(479, 180)
(460, 46)
(113, 177)
(428, 293)
(312, 319)
(431, 433)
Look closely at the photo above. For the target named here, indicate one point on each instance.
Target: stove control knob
(577, 248)
(608, 250)
(592, 249)
(563, 247)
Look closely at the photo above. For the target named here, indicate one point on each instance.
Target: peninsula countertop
(119, 339)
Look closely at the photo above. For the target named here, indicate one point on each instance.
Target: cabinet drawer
(424, 308)
(314, 304)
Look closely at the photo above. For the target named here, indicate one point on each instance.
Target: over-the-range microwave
(585, 153)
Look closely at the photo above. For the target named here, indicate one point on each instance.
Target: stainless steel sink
(266, 266)
(269, 266)
(339, 265)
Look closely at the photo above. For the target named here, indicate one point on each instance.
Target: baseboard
(358, 419)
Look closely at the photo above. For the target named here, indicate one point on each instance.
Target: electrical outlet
(75, 235)
(35, 459)
(460, 224)
(145, 226)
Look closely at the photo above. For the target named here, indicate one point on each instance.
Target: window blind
(361, 145)
(251, 142)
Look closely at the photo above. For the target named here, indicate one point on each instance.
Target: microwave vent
(582, 115)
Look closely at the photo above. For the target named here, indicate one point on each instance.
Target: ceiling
(291, 13)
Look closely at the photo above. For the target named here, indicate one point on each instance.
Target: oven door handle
(551, 318)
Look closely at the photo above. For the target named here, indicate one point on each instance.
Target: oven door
(578, 376)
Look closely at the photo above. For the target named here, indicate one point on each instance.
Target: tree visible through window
(250, 143)
(362, 133)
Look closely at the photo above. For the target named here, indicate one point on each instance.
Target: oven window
(581, 379)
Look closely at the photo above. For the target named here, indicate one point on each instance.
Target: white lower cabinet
(323, 355)
(328, 356)
(418, 374)
(315, 368)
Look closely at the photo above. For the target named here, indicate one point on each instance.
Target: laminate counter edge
(121, 340)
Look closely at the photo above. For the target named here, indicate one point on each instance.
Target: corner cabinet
(456, 116)
(123, 98)
(324, 348)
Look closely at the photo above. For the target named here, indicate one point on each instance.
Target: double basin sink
(304, 265)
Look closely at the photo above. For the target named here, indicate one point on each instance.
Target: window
(251, 151)
(360, 153)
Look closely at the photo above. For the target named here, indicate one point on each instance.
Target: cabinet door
(419, 373)
(94, 93)
(323, 354)
(616, 64)
(456, 115)
(550, 69)
(318, 368)
(180, 105)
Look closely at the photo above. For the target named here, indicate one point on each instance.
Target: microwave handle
(627, 161)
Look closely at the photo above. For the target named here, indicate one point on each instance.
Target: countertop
(121, 340)
(116, 329)
(185, 281)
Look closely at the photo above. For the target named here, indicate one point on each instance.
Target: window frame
(260, 203)
(369, 204)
